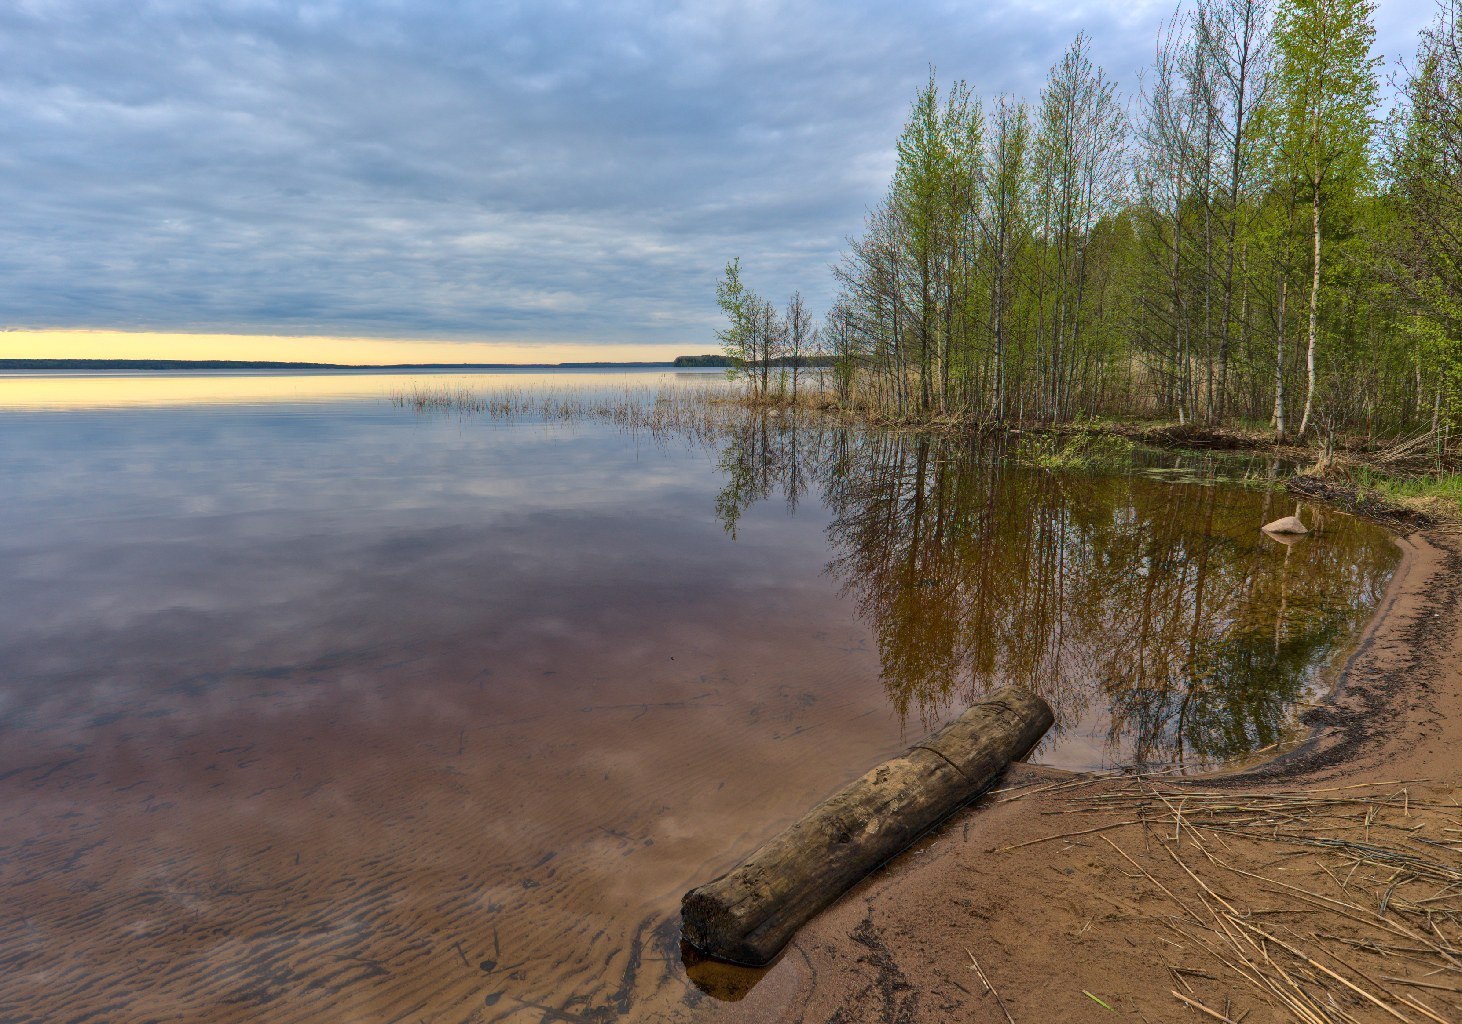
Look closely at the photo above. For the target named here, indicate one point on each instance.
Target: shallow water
(312, 708)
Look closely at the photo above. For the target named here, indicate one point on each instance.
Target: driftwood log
(748, 914)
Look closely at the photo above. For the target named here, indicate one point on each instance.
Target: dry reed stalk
(980, 972)
(1195, 1004)
(1055, 787)
(1422, 984)
(1065, 835)
(1185, 908)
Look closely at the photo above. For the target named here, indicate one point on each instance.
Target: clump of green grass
(1440, 493)
(1082, 450)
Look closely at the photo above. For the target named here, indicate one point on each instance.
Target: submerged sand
(1111, 923)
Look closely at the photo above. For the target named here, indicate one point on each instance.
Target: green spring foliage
(1240, 242)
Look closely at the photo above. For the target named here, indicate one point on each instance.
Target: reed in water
(696, 412)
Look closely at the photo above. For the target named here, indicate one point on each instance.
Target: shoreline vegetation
(1244, 255)
(1393, 481)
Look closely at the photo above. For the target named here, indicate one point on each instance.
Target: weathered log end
(748, 914)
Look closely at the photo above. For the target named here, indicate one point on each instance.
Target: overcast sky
(543, 171)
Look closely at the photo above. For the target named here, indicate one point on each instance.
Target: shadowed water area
(316, 706)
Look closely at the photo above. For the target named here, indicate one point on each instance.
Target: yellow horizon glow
(106, 390)
(102, 344)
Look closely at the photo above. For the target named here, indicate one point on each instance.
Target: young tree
(964, 127)
(1325, 92)
(755, 335)
(1080, 178)
(919, 200)
(1166, 180)
(800, 338)
(1003, 227)
(738, 336)
(844, 345)
(1235, 38)
(770, 333)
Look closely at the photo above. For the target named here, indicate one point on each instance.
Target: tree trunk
(1314, 306)
(1279, 364)
(999, 340)
(747, 915)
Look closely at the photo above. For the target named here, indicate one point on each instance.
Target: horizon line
(342, 351)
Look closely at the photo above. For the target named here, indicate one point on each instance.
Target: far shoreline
(185, 365)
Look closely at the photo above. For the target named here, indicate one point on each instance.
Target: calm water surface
(313, 708)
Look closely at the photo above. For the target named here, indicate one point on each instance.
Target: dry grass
(1333, 906)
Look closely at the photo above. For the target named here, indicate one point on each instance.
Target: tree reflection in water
(1162, 626)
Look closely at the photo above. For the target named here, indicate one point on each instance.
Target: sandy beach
(1132, 907)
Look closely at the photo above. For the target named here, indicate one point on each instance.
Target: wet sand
(1053, 921)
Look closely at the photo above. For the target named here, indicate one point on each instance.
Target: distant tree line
(733, 363)
(709, 359)
(1242, 241)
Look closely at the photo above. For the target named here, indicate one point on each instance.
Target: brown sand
(1058, 925)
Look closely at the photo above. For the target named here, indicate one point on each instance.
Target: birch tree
(1080, 152)
(1325, 85)
(1237, 42)
(1003, 227)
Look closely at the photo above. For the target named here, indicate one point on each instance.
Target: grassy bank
(1402, 482)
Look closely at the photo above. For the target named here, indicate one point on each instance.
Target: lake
(321, 704)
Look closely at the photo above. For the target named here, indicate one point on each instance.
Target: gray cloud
(550, 171)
